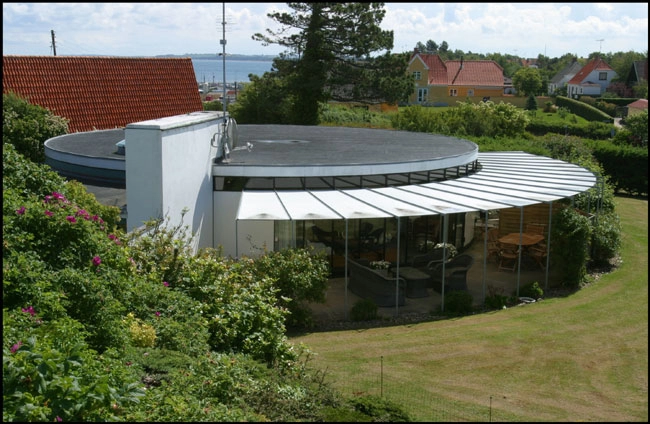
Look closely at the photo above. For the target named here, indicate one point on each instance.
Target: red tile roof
(596, 64)
(104, 92)
(474, 72)
(639, 104)
(484, 73)
(437, 69)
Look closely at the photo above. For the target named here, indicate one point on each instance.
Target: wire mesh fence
(423, 404)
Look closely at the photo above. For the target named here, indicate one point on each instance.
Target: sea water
(211, 70)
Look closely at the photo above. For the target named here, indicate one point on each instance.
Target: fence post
(490, 408)
(381, 378)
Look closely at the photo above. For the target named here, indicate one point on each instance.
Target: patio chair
(538, 253)
(455, 273)
(493, 244)
(508, 256)
(427, 260)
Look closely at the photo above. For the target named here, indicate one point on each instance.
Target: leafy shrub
(364, 310)
(343, 414)
(380, 409)
(142, 335)
(161, 250)
(214, 105)
(532, 290)
(50, 374)
(549, 107)
(240, 308)
(300, 277)
(28, 126)
(356, 116)
(635, 131)
(625, 166)
(605, 238)
(467, 119)
(495, 298)
(571, 233)
(458, 302)
(581, 108)
(31, 179)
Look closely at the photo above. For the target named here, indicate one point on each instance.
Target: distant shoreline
(210, 56)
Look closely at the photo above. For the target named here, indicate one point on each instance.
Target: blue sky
(150, 29)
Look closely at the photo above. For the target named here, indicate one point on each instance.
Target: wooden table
(527, 239)
(416, 281)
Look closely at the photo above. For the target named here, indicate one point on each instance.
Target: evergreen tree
(329, 57)
(531, 103)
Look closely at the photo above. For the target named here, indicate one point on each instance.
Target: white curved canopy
(507, 179)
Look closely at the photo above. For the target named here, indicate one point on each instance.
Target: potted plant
(451, 249)
(382, 266)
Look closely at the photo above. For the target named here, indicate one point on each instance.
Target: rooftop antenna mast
(53, 42)
(223, 44)
(601, 44)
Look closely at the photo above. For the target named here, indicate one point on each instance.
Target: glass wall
(373, 239)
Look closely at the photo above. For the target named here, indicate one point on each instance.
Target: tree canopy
(329, 57)
(528, 81)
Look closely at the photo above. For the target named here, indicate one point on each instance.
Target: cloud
(150, 29)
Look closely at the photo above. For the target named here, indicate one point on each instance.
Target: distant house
(561, 79)
(637, 106)
(96, 93)
(508, 88)
(592, 80)
(435, 79)
(638, 73)
(529, 63)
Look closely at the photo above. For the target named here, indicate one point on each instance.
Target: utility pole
(53, 43)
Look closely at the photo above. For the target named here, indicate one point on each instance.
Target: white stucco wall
(239, 238)
(168, 169)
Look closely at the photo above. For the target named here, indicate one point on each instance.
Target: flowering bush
(50, 374)
(451, 249)
(380, 264)
(70, 279)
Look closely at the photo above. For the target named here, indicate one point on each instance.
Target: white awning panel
(261, 205)
(388, 204)
(507, 179)
(302, 205)
(437, 191)
(349, 207)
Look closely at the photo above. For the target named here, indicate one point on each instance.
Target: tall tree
(330, 45)
(528, 81)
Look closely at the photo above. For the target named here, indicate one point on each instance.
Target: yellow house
(438, 81)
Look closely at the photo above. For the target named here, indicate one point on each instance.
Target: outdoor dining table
(527, 239)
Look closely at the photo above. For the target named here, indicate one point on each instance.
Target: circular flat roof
(91, 144)
(294, 151)
(303, 151)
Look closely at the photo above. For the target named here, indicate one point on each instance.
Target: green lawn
(583, 357)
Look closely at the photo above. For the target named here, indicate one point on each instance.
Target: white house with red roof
(592, 80)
